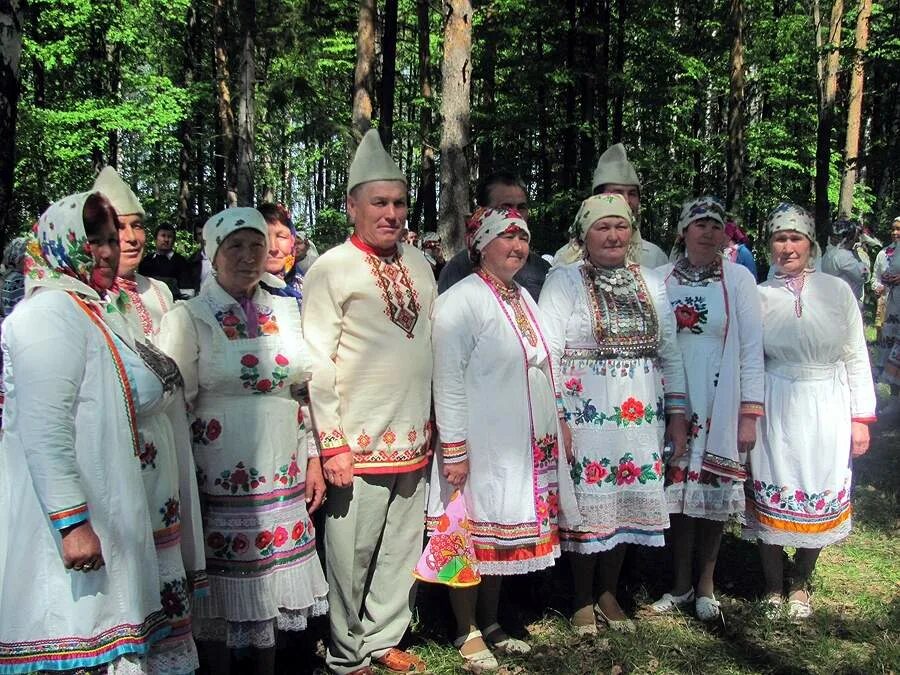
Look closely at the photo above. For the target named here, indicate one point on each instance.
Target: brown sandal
(399, 661)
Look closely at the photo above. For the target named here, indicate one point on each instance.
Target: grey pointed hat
(110, 184)
(371, 162)
(614, 167)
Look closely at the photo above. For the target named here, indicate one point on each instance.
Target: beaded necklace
(510, 295)
(697, 275)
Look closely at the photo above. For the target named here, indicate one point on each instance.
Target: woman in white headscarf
(717, 314)
(72, 474)
(501, 451)
(819, 399)
(612, 337)
(240, 349)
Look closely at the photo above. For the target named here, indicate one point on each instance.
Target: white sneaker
(669, 602)
(707, 609)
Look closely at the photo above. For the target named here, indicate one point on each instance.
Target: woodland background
(205, 103)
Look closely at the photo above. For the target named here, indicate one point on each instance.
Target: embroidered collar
(507, 293)
(365, 248)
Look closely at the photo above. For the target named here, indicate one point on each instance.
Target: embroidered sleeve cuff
(199, 583)
(865, 419)
(675, 403)
(454, 452)
(68, 517)
(339, 450)
(752, 408)
(333, 443)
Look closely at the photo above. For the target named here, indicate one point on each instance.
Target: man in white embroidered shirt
(367, 319)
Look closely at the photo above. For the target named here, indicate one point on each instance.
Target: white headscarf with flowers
(58, 256)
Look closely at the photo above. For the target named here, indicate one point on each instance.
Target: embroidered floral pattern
(173, 596)
(250, 374)
(298, 530)
(363, 440)
(240, 478)
(630, 412)
(573, 386)
(205, 432)
(691, 313)
(170, 512)
(389, 438)
(235, 327)
(287, 474)
(626, 472)
(148, 456)
(784, 499)
(546, 449)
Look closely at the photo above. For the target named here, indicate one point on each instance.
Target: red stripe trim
(390, 468)
(331, 452)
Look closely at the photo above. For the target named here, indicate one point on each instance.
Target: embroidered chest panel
(622, 315)
(400, 297)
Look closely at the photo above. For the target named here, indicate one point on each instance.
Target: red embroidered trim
(398, 292)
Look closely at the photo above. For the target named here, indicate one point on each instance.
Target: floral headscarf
(698, 209)
(59, 257)
(14, 252)
(845, 232)
(607, 205)
(486, 224)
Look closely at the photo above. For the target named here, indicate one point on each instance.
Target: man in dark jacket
(164, 263)
(499, 190)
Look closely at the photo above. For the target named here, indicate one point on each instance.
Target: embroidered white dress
(817, 380)
(167, 469)
(62, 463)
(611, 352)
(495, 407)
(707, 309)
(251, 456)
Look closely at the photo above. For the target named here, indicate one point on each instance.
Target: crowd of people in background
(171, 424)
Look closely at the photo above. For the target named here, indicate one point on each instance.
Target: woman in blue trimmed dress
(80, 582)
(719, 321)
(239, 350)
(612, 335)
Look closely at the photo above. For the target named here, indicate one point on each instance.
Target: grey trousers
(373, 535)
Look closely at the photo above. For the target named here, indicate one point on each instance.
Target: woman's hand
(567, 440)
(457, 473)
(746, 433)
(859, 439)
(81, 548)
(315, 485)
(338, 469)
(676, 434)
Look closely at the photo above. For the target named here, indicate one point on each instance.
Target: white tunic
(68, 454)
(817, 379)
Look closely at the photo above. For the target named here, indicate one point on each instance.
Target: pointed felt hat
(613, 167)
(116, 190)
(371, 162)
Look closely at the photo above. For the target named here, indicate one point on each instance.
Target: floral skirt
(614, 408)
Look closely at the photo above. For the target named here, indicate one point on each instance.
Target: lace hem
(643, 510)
(258, 634)
(181, 660)
(706, 501)
(514, 567)
(586, 547)
(753, 531)
(238, 599)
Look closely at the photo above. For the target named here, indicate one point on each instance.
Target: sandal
(800, 609)
(669, 602)
(481, 661)
(399, 661)
(707, 608)
(773, 605)
(505, 643)
(621, 625)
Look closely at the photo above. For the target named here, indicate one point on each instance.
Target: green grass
(856, 596)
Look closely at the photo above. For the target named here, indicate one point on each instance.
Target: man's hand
(339, 469)
(315, 485)
(81, 548)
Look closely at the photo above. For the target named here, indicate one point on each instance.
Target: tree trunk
(10, 54)
(388, 74)
(186, 155)
(365, 65)
(425, 211)
(736, 108)
(247, 105)
(602, 78)
(457, 85)
(569, 167)
(826, 72)
(223, 100)
(619, 99)
(854, 110)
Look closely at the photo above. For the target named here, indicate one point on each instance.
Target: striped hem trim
(675, 403)
(68, 517)
(752, 408)
(793, 526)
(68, 653)
(722, 466)
(255, 501)
(540, 549)
(199, 583)
(251, 568)
(167, 537)
(591, 537)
